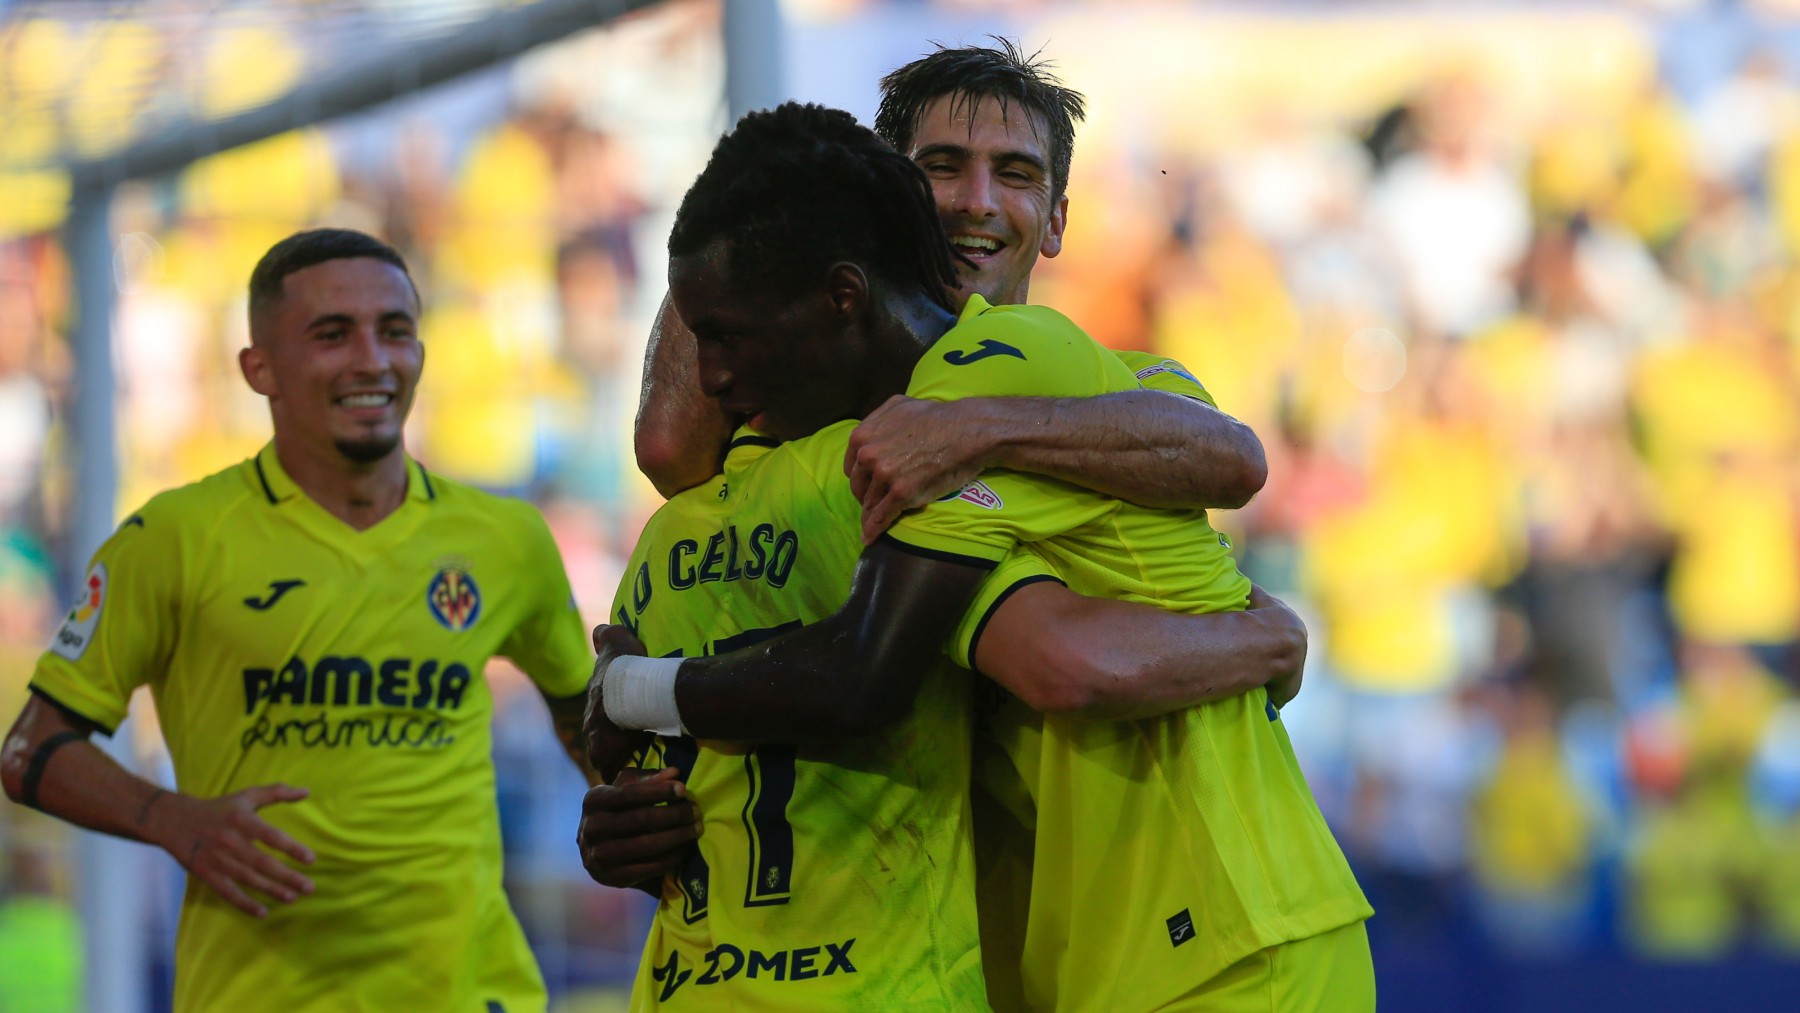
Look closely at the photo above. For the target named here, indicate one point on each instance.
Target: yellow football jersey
(1166, 849)
(282, 645)
(828, 878)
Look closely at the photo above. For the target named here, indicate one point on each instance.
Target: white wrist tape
(640, 693)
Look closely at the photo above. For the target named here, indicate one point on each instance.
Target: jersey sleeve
(551, 642)
(1019, 569)
(121, 630)
(981, 523)
(1154, 372)
(1007, 351)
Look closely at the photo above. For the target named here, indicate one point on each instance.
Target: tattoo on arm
(566, 714)
(40, 759)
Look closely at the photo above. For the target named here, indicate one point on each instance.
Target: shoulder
(456, 497)
(819, 457)
(1033, 330)
(696, 509)
(1159, 372)
(1016, 350)
(511, 520)
(206, 507)
(817, 468)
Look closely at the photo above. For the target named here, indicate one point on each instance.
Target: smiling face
(791, 364)
(990, 172)
(338, 356)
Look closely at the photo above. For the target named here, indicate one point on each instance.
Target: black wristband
(34, 771)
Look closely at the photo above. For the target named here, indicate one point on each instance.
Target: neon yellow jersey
(828, 877)
(1156, 372)
(1166, 849)
(282, 645)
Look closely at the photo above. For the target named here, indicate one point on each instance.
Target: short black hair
(797, 188)
(971, 74)
(308, 249)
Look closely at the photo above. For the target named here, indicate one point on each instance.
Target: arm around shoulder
(1061, 652)
(848, 675)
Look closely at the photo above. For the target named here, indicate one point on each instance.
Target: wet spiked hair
(794, 189)
(309, 249)
(972, 74)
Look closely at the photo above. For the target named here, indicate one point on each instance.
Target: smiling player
(1179, 861)
(319, 615)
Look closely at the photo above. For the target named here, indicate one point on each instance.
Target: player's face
(789, 364)
(339, 357)
(990, 172)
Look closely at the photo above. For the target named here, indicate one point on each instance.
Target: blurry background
(1509, 290)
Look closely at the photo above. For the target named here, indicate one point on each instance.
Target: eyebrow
(963, 152)
(346, 319)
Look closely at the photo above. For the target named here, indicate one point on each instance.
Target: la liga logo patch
(454, 599)
(77, 630)
(978, 493)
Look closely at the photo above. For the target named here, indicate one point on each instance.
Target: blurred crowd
(1531, 399)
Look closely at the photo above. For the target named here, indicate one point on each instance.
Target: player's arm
(1061, 652)
(845, 676)
(550, 641)
(566, 713)
(681, 434)
(47, 763)
(1150, 447)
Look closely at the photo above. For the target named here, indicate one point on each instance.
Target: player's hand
(215, 840)
(612, 641)
(907, 453)
(609, 747)
(1285, 686)
(636, 829)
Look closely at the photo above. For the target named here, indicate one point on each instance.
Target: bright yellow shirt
(828, 878)
(282, 645)
(1166, 849)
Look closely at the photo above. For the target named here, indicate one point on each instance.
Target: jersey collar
(746, 446)
(276, 487)
(976, 306)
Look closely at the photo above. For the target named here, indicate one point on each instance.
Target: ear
(257, 370)
(1053, 236)
(848, 289)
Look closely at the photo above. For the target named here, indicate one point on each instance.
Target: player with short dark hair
(318, 615)
(993, 129)
(971, 74)
(800, 857)
(1179, 861)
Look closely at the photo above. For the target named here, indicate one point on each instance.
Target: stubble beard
(368, 449)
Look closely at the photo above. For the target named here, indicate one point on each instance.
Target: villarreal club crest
(454, 599)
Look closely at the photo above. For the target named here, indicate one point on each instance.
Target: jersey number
(770, 771)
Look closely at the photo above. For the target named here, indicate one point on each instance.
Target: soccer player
(954, 111)
(821, 862)
(995, 132)
(313, 624)
(1000, 192)
(1179, 862)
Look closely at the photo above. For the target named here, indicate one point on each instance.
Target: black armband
(40, 758)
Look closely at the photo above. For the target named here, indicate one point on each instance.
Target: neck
(359, 494)
(914, 326)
